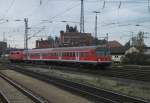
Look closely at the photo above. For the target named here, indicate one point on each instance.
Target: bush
(136, 58)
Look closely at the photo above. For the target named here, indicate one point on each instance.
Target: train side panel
(16, 56)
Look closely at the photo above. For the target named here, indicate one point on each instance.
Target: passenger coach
(93, 55)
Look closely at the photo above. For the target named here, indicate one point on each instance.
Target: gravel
(47, 91)
(13, 95)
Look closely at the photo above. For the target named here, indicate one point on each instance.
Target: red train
(89, 55)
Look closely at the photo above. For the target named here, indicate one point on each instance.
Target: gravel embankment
(47, 91)
(13, 95)
(125, 86)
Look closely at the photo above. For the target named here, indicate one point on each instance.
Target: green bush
(136, 58)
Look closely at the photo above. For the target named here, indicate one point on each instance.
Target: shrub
(136, 58)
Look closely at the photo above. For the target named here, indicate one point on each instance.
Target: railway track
(138, 74)
(126, 72)
(12, 92)
(3, 98)
(95, 94)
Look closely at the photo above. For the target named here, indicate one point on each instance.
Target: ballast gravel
(49, 92)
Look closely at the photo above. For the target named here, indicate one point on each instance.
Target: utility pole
(107, 44)
(96, 12)
(26, 37)
(4, 45)
(4, 39)
(82, 17)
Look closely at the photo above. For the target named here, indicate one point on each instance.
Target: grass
(142, 91)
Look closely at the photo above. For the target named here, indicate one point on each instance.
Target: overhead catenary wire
(119, 6)
(148, 5)
(104, 3)
(40, 2)
(9, 8)
(65, 11)
(58, 14)
(120, 3)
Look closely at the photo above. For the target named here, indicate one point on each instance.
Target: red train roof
(82, 48)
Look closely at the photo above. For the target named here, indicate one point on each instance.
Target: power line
(65, 11)
(38, 7)
(82, 17)
(11, 4)
(59, 14)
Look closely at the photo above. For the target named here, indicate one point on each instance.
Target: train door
(77, 56)
(59, 55)
(40, 54)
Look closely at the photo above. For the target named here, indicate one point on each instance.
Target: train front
(103, 56)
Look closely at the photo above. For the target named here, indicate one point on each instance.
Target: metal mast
(82, 17)
(26, 37)
(96, 12)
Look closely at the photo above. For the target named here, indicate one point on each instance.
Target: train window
(99, 53)
(52, 54)
(35, 54)
(45, 54)
(49, 54)
(59, 54)
(107, 52)
(66, 53)
(17, 53)
(73, 54)
(63, 54)
(70, 54)
(86, 54)
(56, 54)
(102, 51)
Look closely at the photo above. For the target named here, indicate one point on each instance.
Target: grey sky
(119, 23)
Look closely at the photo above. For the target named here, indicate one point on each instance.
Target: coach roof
(69, 48)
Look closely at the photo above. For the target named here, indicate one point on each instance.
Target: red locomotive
(16, 56)
(95, 55)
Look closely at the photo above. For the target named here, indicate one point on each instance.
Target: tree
(127, 45)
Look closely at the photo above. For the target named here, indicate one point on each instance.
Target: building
(114, 44)
(44, 44)
(147, 50)
(132, 50)
(75, 39)
(3, 47)
(117, 51)
(118, 54)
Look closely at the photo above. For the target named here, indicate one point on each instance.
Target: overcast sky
(117, 19)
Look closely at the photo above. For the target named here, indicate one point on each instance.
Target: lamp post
(96, 12)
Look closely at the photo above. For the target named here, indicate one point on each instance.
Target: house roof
(114, 44)
(118, 50)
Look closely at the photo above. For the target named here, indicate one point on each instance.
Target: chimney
(61, 37)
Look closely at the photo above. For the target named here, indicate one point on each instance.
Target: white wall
(117, 58)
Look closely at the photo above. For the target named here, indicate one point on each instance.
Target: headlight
(99, 59)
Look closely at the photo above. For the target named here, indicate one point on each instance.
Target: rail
(3, 98)
(25, 92)
(96, 94)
